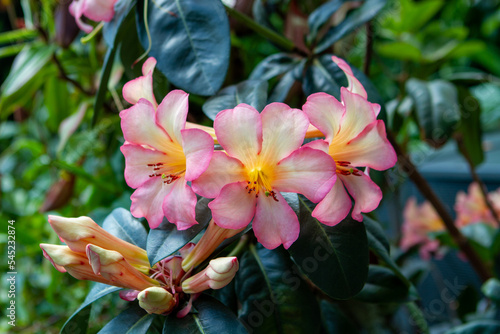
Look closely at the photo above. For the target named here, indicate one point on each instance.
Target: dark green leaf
(281, 90)
(190, 41)
(334, 319)
(167, 239)
(477, 327)
(80, 319)
(17, 35)
(274, 65)
(335, 258)
(491, 289)
(469, 128)
(437, 111)
(383, 286)
(252, 92)
(123, 225)
(212, 318)
(273, 295)
(134, 320)
(112, 28)
(482, 238)
(320, 16)
(356, 18)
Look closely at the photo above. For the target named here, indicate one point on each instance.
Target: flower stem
(423, 186)
(261, 30)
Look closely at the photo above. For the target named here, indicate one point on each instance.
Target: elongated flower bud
(78, 232)
(213, 237)
(156, 300)
(75, 264)
(217, 275)
(114, 267)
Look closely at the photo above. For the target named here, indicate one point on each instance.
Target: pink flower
(471, 208)
(263, 157)
(419, 221)
(160, 157)
(141, 87)
(96, 10)
(354, 138)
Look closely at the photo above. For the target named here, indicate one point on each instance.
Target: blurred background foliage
(60, 131)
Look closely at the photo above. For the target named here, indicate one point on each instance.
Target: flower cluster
(422, 220)
(262, 155)
(91, 253)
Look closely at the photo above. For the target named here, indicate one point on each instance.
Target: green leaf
(80, 319)
(28, 72)
(415, 14)
(111, 29)
(437, 111)
(272, 295)
(252, 92)
(335, 258)
(383, 286)
(281, 90)
(469, 127)
(491, 289)
(190, 41)
(320, 16)
(134, 320)
(212, 318)
(354, 19)
(167, 239)
(482, 237)
(334, 319)
(477, 327)
(399, 50)
(123, 225)
(17, 35)
(274, 65)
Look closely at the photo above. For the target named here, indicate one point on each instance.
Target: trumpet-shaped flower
(263, 158)
(142, 87)
(160, 157)
(217, 275)
(419, 221)
(156, 300)
(354, 138)
(471, 207)
(96, 10)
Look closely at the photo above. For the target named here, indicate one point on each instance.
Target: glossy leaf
(167, 239)
(491, 289)
(274, 65)
(354, 19)
(134, 320)
(123, 225)
(335, 320)
(252, 92)
(469, 128)
(334, 258)
(111, 29)
(80, 319)
(437, 111)
(190, 41)
(212, 317)
(281, 90)
(320, 16)
(477, 327)
(383, 286)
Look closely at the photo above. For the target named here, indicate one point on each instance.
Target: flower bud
(217, 275)
(75, 264)
(213, 237)
(78, 232)
(114, 267)
(156, 300)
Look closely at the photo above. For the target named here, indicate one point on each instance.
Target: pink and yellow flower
(161, 156)
(263, 158)
(471, 207)
(96, 10)
(419, 221)
(354, 138)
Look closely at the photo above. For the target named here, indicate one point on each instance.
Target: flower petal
(137, 159)
(319, 144)
(76, 8)
(222, 170)
(334, 207)
(239, 131)
(306, 171)
(370, 148)
(354, 85)
(141, 87)
(234, 208)
(283, 131)
(172, 113)
(100, 10)
(358, 114)
(179, 205)
(367, 195)
(147, 201)
(139, 127)
(275, 223)
(198, 148)
(325, 112)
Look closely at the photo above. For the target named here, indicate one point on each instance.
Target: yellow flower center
(345, 168)
(169, 172)
(259, 179)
